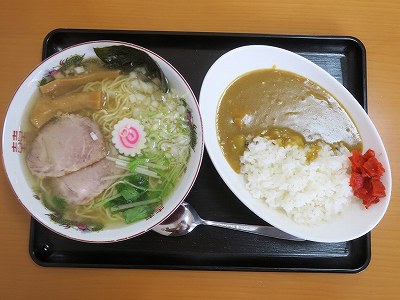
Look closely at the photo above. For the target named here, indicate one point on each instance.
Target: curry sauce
(284, 106)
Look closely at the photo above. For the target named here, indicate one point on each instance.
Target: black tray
(208, 248)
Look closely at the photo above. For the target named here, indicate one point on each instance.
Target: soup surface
(284, 106)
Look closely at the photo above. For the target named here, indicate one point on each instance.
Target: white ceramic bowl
(355, 221)
(14, 160)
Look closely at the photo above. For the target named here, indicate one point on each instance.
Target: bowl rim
(36, 70)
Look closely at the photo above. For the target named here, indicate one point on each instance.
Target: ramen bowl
(146, 75)
(355, 220)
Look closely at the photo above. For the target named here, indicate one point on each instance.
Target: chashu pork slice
(80, 187)
(64, 145)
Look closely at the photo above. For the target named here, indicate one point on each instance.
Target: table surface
(24, 24)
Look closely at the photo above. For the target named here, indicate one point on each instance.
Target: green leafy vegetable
(115, 202)
(59, 203)
(130, 193)
(137, 213)
(106, 202)
(139, 180)
(136, 162)
(127, 59)
(133, 188)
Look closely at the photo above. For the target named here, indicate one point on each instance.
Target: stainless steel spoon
(185, 219)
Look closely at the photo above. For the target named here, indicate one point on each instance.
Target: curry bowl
(102, 141)
(268, 165)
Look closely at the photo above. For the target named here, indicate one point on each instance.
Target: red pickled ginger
(365, 181)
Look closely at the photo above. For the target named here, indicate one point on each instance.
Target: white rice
(309, 192)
